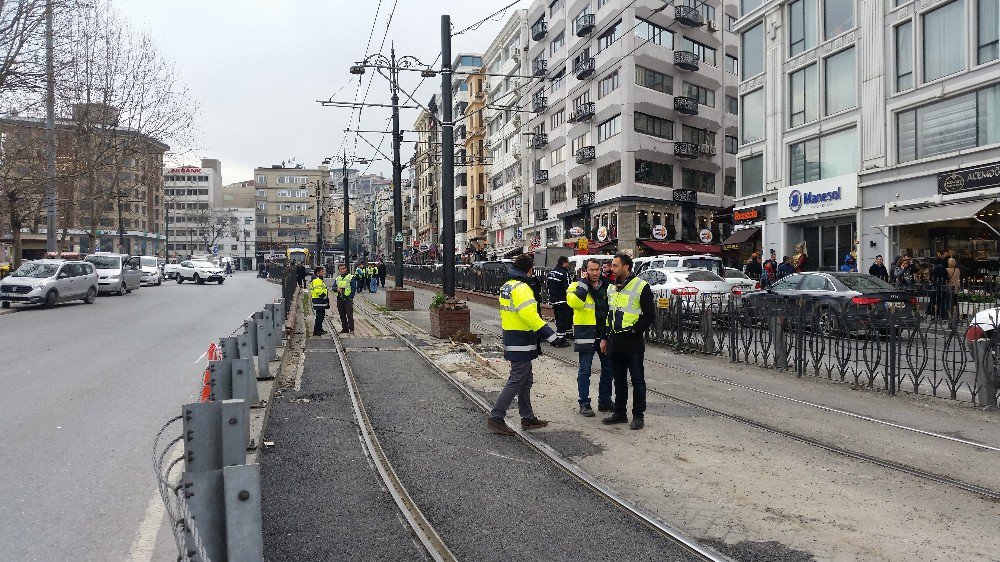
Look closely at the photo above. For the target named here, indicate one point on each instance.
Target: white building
(188, 193)
(463, 64)
(239, 242)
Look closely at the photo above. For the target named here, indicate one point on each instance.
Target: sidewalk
(717, 479)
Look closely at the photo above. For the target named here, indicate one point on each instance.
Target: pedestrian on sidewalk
(381, 273)
(320, 300)
(878, 269)
(630, 312)
(588, 298)
(522, 330)
(558, 281)
(373, 278)
(346, 286)
(300, 274)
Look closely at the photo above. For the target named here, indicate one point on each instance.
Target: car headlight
(113, 277)
(37, 285)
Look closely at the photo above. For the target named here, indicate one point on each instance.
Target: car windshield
(105, 262)
(702, 263)
(202, 264)
(36, 270)
(147, 262)
(698, 276)
(865, 283)
(735, 274)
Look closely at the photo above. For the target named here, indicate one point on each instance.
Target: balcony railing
(539, 30)
(583, 68)
(686, 15)
(585, 24)
(687, 150)
(583, 112)
(538, 141)
(687, 106)
(586, 155)
(539, 104)
(541, 214)
(686, 60)
(585, 199)
(539, 67)
(542, 176)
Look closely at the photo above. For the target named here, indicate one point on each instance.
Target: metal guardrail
(214, 504)
(486, 281)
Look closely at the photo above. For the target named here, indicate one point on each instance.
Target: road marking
(149, 530)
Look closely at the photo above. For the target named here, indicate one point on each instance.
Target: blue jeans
(603, 385)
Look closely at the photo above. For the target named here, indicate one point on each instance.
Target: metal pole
(347, 219)
(319, 223)
(50, 131)
(121, 225)
(447, 161)
(397, 178)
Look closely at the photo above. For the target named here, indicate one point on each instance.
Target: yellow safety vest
(520, 321)
(584, 315)
(318, 288)
(623, 305)
(344, 282)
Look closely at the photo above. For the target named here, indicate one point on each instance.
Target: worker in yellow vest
(346, 287)
(523, 328)
(320, 300)
(588, 297)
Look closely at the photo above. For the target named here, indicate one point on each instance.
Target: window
(607, 85)
(752, 175)
(654, 80)
(581, 185)
(609, 37)
(655, 126)
(609, 174)
(609, 128)
(704, 96)
(653, 33)
(654, 173)
(944, 41)
(803, 101)
(697, 180)
(729, 188)
(557, 43)
(752, 51)
(558, 155)
(557, 80)
(988, 31)
(555, 6)
(732, 65)
(557, 194)
(705, 53)
(752, 116)
(580, 142)
(904, 57)
(262, 180)
(949, 125)
(802, 26)
(558, 118)
(748, 5)
(732, 144)
(824, 157)
(728, 22)
(581, 99)
(838, 17)
(841, 81)
(697, 136)
(732, 105)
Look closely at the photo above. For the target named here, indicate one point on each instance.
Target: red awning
(599, 245)
(681, 247)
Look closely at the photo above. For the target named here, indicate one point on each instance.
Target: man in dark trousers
(300, 274)
(588, 298)
(346, 286)
(631, 310)
(381, 273)
(320, 300)
(558, 280)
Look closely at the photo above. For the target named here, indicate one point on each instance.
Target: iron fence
(486, 281)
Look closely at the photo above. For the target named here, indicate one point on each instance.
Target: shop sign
(184, 170)
(969, 179)
(685, 196)
(424, 247)
(749, 215)
(576, 231)
(602, 233)
(821, 196)
(705, 236)
(660, 232)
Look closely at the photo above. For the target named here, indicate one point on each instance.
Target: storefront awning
(936, 213)
(681, 247)
(741, 236)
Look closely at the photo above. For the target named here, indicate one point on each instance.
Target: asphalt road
(85, 388)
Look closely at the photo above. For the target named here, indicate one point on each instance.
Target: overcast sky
(256, 68)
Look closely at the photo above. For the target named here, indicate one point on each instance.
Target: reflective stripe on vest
(623, 306)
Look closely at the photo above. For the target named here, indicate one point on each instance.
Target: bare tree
(22, 181)
(212, 224)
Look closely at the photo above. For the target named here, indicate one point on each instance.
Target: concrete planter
(449, 319)
(399, 299)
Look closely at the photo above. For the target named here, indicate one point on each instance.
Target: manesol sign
(821, 196)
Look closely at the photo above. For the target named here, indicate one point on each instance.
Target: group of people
(346, 285)
(371, 275)
(604, 316)
(770, 270)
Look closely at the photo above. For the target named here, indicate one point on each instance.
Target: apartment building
(286, 206)
(871, 127)
(633, 124)
(427, 186)
(190, 193)
(472, 158)
(464, 65)
(505, 173)
(238, 242)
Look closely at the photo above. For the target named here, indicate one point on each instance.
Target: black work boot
(615, 418)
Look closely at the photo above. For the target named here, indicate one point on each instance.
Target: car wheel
(179, 279)
(198, 279)
(50, 299)
(4, 304)
(159, 281)
(827, 324)
(91, 296)
(128, 290)
(220, 281)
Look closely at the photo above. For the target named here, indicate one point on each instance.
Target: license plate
(893, 306)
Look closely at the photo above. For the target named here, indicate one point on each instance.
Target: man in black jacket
(631, 310)
(558, 280)
(878, 269)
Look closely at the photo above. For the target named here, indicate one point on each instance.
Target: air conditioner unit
(713, 26)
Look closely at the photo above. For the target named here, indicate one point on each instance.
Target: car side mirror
(63, 274)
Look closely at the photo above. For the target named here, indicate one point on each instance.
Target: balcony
(686, 15)
(687, 106)
(461, 131)
(542, 176)
(538, 141)
(539, 104)
(707, 149)
(541, 214)
(583, 112)
(585, 199)
(539, 30)
(686, 60)
(539, 67)
(585, 24)
(687, 150)
(461, 180)
(583, 68)
(586, 155)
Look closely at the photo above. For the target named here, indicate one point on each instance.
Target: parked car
(837, 302)
(686, 282)
(670, 261)
(200, 271)
(150, 268)
(170, 270)
(738, 281)
(983, 325)
(47, 282)
(118, 273)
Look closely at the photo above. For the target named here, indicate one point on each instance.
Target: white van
(151, 272)
(117, 273)
(576, 263)
(670, 261)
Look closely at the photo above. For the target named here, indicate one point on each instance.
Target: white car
(670, 261)
(983, 325)
(117, 273)
(739, 282)
(199, 271)
(170, 270)
(150, 268)
(691, 283)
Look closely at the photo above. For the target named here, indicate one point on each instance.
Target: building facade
(239, 242)
(472, 159)
(632, 124)
(191, 196)
(286, 203)
(427, 175)
(464, 65)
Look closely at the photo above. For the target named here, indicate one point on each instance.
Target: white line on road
(149, 529)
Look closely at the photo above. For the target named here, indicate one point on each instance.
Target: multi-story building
(238, 242)
(464, 65)
(286, 206)
(472, 158)
(871, 127)
(190, 194)
(632, 119)
(427, 174)
(505, 173)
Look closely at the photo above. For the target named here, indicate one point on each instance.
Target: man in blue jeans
(588, 298)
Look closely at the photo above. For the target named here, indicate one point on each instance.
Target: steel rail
(691, 546)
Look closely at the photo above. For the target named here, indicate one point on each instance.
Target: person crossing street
(345, 299)
(523, 328)
(631, 310)
(320, 300)
(558, 280)
(588, 298)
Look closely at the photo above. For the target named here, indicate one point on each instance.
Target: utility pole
(447, 161)
(397, 178)
(319, 221)
(50, 131)
(347, 218)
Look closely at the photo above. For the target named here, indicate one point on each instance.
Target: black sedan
(834, 302)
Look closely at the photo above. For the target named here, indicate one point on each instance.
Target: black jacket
(600, 296)
(879, 271)
(557, 282)
(633, 340)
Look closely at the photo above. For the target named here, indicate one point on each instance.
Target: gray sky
(256, 68)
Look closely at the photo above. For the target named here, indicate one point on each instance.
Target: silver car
(118, 273)
(47, 282)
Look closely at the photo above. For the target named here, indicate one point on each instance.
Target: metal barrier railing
(486, 281)
(214, 503)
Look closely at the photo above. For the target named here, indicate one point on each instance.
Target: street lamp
(347, 200)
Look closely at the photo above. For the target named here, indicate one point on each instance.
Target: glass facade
(841, 81)
(944, 41)
(752, 51)
(823, 157)
(950, 125)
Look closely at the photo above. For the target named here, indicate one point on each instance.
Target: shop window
(945, 126)
(841, 81)
(824, 157)
(645, 229)
(944, 41)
